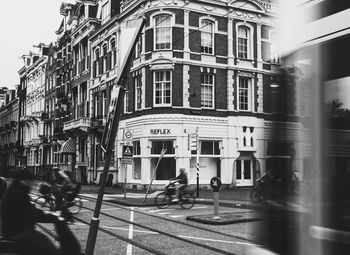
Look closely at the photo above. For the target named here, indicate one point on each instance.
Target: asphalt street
(153, 223)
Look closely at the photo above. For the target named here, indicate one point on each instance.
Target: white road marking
(176, 216)
(164, 213)
(104, 209)
(131, 232)
(160, 210)
(199, 207)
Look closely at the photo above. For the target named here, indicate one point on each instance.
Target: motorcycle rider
(181, 183)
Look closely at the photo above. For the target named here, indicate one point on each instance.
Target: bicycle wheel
(162, 200)
(187, 200)
(75, 206)
(255, 195)
(45, 203)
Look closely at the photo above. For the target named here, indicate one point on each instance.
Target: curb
(220, 221)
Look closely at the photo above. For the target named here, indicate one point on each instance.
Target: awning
(69, 146)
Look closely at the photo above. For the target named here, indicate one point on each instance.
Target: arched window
(96, 62)
(207, 36)
(162, 27)
(113, 50)
(243, 42)
(104, 55)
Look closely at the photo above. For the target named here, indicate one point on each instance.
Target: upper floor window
(114, 55)
(138, 48)
(162, 88)
(274, 38)
(207, 36)
(243, 41)
(162, 33)
(126, 101)
(105, 12)
(138, 91)
(207, 90)
(245, 94)
(104, 54)
(96, 64)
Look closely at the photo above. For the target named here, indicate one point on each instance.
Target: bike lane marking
(131, 232)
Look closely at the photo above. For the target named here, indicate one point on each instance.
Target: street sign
(215, 183)
(128, 134)
(127, 151)
(192, 142)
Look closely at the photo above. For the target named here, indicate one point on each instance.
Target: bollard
(215, 184)
(216, 205)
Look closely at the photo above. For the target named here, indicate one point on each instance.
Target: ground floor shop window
(137, 169)
(166, 168)
(167, 165)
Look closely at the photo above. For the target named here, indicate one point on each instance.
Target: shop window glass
(157, 147)
(210, 148)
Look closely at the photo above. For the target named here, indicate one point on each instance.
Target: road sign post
(154, 172)
(193, 145)
(215, 184)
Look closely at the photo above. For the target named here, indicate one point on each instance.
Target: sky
(24, 24)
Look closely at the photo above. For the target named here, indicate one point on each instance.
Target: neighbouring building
(8, 131)
(33, 75)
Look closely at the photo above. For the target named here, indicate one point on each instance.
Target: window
(114, 55)
(126, 101)
(157, 147)
(274, 47)
(137, 160)
(162, 88)
(136, 148)
(104, 104)
(244, 94)
(104, 55)
(210, 148)
(207, 36)
(138, 48)
(162, 33)
(167, 166)
(97, 57)
(104, 12)
(242, 41)
(137, 82)
(207, 90)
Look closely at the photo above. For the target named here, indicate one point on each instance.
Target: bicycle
(164, 199)
(47, 200)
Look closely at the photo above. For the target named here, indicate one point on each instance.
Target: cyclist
(181, 183)
(19, 217)
(66, 190)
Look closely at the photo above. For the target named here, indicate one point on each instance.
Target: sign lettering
(164, 131)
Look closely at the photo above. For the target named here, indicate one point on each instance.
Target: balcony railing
(79, 123)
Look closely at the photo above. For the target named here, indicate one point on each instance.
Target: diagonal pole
(154, 172)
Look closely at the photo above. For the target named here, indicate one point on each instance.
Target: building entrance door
(244, 172)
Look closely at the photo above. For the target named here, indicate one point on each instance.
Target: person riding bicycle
(64, 188)
(181, 181)
(19, 217)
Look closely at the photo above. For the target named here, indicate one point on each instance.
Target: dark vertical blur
(315, 90)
